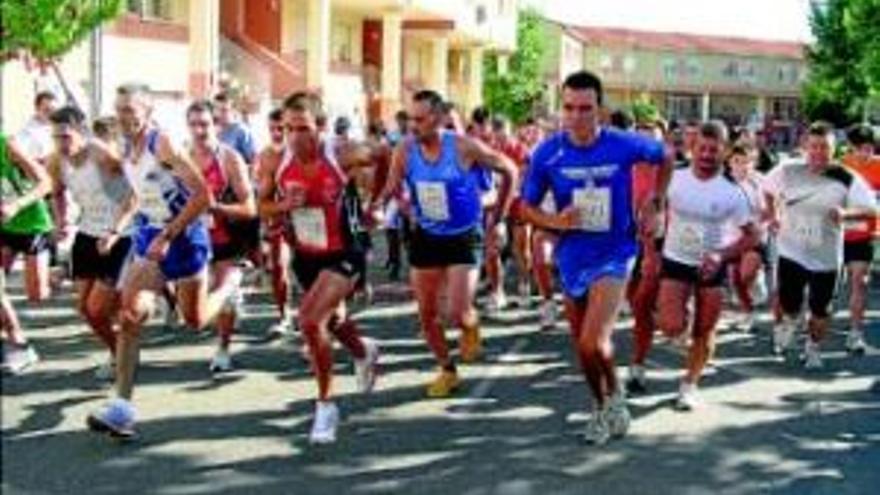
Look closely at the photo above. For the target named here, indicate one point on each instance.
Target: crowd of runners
(671, 220)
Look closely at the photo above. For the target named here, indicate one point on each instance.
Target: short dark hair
(480, 116)
(860, 135)
(43, 96)
(820, 128)
(499, 123)
(276, 115)
(401, 115)
(304, 101)
(432, 98)
(621, 119)
(741, 148)
(583, 80)
(714, 129)
(200, 106)
(68, 115)
(222, 97)
(105, 127)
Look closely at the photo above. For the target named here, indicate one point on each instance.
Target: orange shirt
(869, 169)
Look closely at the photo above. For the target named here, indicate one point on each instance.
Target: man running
(91, 174)
(437, 166)
(321, 198)
(588, 168)
(808, 202)
(702, 202)
(233, 202)
(858, 246)
(23, 185)
(171, 244)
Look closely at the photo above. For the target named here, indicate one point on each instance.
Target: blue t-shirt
(239, 137)
(601, 175)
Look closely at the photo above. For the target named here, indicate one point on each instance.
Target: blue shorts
(188, 254)
(577, 285)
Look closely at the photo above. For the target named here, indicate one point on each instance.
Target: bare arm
(396, 173)
(747, 240)
(566, 220)
(267, 206)
(183, 167)
(474, 151)
(33, 171)
(59, 196)
(236, 171)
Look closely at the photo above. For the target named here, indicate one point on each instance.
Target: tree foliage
(516, 92)
(47, 29)
(844, 61)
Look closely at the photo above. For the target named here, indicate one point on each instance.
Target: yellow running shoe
(444, 385)
(470, 346)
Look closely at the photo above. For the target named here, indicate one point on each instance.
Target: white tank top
(98, 195)
(161, 195)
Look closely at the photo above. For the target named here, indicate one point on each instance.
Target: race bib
(98, 215)
(691, 238)
(153, 206)
(594, 208)
(433, 200)
(808, 231)
(310, 226)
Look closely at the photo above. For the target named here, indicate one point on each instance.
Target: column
(204, 47)
(475, 77)
(318, 44)
(392, 53)
(706, 108)
(438, 79)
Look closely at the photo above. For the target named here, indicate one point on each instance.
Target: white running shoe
(597, 431)
(783, 337)
(548, 315)
(618, 416)
(637, 382)
(18, 359)
(116, 418)
(281, 328)
(366, 369)
(855, 342)
(106, 371)
(221, 362)
(325, 423)
(497, 302)
(812, 355)
(688, 397)
(760, 294)
(524, 290)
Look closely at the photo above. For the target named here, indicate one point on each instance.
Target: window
(151, 9)
(342, 36)
(731, 70)
(693, 69)
(670, 69)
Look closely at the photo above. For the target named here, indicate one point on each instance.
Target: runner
(171, 243)
(277, 229)
(232, 202)
(90, 173)
(858, 247)
(521, 233)
(23, 185)
(644, 284)
(588, 169)
(746, 269)
(446, 243)
(702, 203)
(808, 201)
(321, 198)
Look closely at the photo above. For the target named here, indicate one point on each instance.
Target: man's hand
(8, 211)
(710, 265)
(568, 219)
(106, 243)
(158, 248)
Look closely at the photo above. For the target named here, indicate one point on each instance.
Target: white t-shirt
(804, 200)
(35, 139)
(699, 212)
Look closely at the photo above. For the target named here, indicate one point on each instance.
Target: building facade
(364, 56)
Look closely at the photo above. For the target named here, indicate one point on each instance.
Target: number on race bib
(310, 227)
(153, 206)
(692, 237)
(433, 200)
(809, 231)
(594, 207)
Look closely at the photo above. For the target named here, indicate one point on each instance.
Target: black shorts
(674, 270)
(862, 251)
(792, 279)
(87, 263)
(27, 244)
(434, 251)
(307, 266)
(229, 251)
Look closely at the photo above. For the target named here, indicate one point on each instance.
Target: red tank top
(318, 224)
(218, 185)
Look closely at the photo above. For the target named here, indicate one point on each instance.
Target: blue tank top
(446, 199)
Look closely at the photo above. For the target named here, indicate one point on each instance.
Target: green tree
(844, 61)
(47, 29)
(516, 92)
